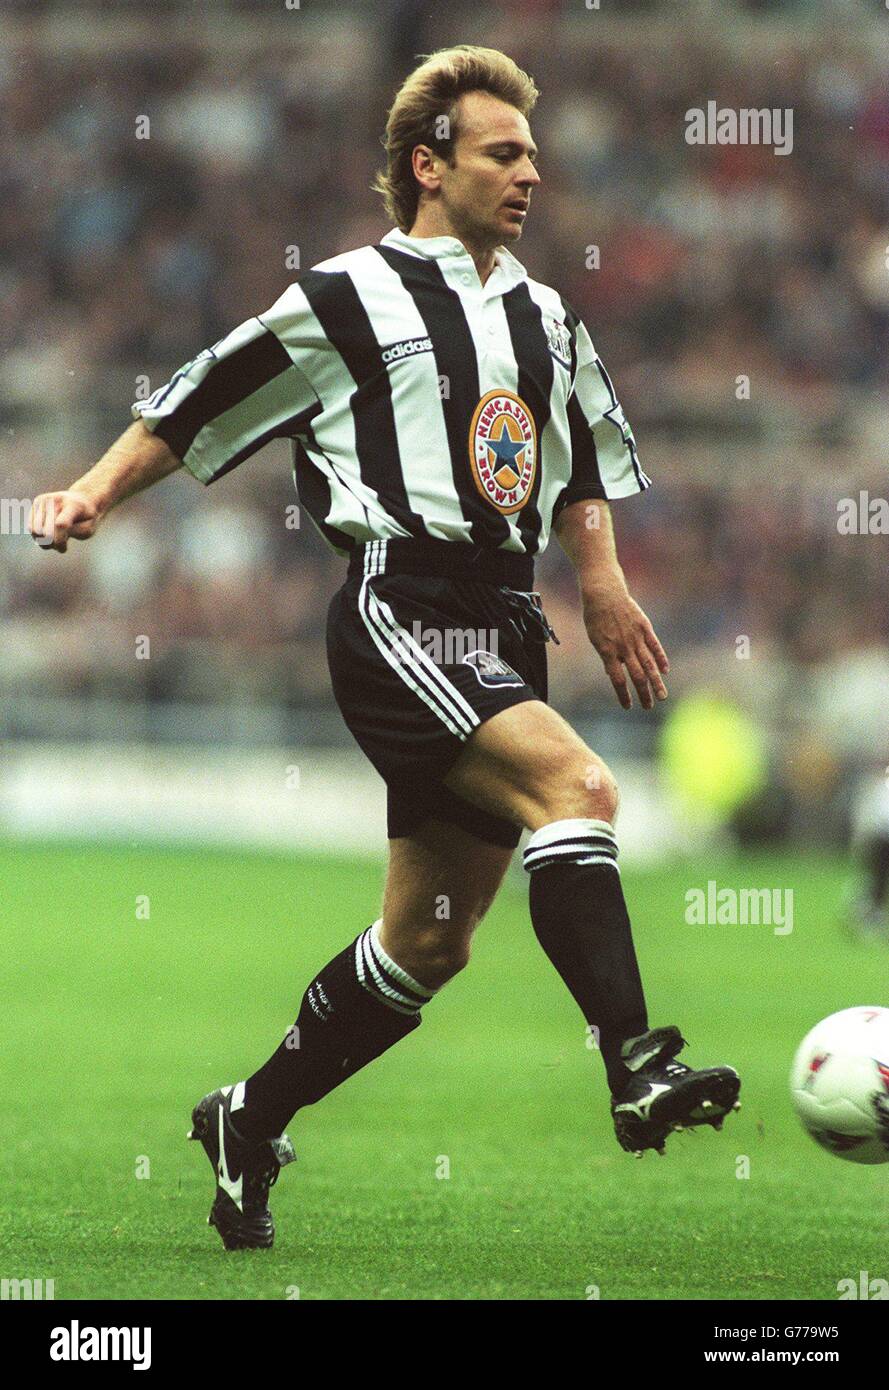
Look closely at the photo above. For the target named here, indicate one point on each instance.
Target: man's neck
(485, 257)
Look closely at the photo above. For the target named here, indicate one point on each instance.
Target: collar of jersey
(439, 248)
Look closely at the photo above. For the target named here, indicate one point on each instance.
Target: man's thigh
(521, 761)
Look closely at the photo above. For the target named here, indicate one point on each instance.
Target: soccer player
(868, 911)
(447, 412)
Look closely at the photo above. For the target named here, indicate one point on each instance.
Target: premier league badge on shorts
(491, 670)
(503, 450)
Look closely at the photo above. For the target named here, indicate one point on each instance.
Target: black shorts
(418, 660)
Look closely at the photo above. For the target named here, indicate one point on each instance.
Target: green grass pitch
(115, 1026)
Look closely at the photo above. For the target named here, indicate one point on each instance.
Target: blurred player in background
(869, 910)
(447, 413)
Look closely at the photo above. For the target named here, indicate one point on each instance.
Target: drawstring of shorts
(528, 606)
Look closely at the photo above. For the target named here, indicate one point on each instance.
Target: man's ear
(426, 165)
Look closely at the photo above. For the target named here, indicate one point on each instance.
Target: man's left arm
(615, 624)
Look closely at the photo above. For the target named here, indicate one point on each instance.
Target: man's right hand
(57, 517)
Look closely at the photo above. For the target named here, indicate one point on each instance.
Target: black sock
(581, 921)
(360, 1005)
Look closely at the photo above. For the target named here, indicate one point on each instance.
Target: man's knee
(602, 795)
(440, 955)
(574, 782)
(432, 954)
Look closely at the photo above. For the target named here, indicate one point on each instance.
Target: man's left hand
(626, 642)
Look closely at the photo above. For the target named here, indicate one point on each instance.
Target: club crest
(503, 450)
(558, 340)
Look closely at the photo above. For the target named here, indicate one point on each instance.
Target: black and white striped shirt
(420, 402)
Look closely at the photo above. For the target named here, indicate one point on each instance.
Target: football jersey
(419, 402)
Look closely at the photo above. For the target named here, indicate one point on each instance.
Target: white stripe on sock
(579, 827)
(400, 976)
(583, 843)
(376, 985)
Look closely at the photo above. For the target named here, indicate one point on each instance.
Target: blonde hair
(430, 92)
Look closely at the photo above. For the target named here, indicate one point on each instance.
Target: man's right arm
(218, 410)
(135, 461)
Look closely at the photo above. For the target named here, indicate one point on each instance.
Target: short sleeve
(249, 388)
(604, 460)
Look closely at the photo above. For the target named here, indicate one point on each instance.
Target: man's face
(486, 192)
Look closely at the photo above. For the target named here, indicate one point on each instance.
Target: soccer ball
(840, 1084)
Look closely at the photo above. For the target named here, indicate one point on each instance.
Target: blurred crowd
(153, 194)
